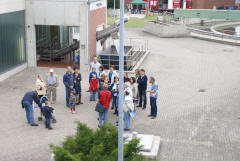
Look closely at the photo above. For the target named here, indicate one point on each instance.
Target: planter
(166, 30)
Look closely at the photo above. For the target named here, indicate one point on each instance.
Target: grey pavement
(198, 106)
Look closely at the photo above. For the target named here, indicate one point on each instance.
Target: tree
(98, 145)
(110, 4)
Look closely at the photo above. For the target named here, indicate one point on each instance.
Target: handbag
(100, 108)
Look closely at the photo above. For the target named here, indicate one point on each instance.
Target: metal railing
(222, 37)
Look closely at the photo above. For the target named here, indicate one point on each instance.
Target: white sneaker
(74, 112)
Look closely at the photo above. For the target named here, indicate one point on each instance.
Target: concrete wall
(11, 5)
(165, 30)
(55, 12)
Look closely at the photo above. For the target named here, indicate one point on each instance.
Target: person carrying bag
(103, 104)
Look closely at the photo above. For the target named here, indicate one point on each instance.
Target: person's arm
(80, 76)
(64, 80)
(36, 99)
(90, 77)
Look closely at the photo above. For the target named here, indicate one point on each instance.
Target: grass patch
(133, 22)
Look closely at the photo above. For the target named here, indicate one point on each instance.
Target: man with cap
(52, 84)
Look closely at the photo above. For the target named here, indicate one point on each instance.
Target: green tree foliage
(110, 4)
(99, 145)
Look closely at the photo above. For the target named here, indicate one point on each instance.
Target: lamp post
(121, 86)
(114, 8)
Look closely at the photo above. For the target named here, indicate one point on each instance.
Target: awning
(138, 2)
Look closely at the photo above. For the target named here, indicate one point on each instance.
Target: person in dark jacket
(142, 87)
(126, 78)
(48, 113)
(77, 78)
(27, 102)
(67, 80)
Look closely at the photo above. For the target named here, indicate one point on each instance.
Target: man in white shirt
(95, 64)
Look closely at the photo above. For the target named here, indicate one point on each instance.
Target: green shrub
(99, 145)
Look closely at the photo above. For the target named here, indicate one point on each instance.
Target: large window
(12, 40)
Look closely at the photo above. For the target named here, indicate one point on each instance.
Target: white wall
(11, 5)
(170, 4)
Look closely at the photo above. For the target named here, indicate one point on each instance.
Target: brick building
(208, 4)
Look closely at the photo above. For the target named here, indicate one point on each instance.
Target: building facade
(209, 4)
(25, 23)
(12, 36)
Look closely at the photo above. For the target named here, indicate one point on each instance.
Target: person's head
(101, 68)
(142, 72)
(106, 79)
(75, 69)
(132, 80)
(72, 93)
(71, 86)
(116, 79)
(125, 74)
(111, 68)
(151, 80)
(39, 77)
(93, 69)
(126, 85)
(102, 77)
(51, 71)
(47, 103)
(95, 59)
(137, 71)
(75, 75)
(69, 69)
(105, 86)
(94, 76)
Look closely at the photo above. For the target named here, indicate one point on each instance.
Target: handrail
(214, 34)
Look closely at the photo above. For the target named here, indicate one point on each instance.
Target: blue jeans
(67, 95)
(153, 103)
(47, 122)
(92, 96)
(127, 120)
(105, 114)
(29, 112)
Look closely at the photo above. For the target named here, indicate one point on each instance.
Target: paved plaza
(198, 106)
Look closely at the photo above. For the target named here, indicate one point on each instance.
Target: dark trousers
(142, 98)
(115, 103)
(47, 122)
(153, 103)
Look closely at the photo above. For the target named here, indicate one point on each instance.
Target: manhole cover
(202, 90)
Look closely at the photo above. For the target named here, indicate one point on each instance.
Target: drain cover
(202, 90)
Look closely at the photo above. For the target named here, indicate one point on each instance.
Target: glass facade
(12, 40)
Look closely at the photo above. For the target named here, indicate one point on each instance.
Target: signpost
(121, 86)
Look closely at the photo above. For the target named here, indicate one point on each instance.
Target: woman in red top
(94, 87)
(104, 99)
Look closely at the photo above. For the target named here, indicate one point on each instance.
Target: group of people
(44, 94)
(103, 86)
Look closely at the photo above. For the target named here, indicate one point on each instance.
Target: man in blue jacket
(27, 102)
(142, 87)
(67, 81)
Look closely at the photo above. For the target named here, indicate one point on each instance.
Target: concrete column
(30, 36)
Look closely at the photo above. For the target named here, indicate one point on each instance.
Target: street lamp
(121, 81)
